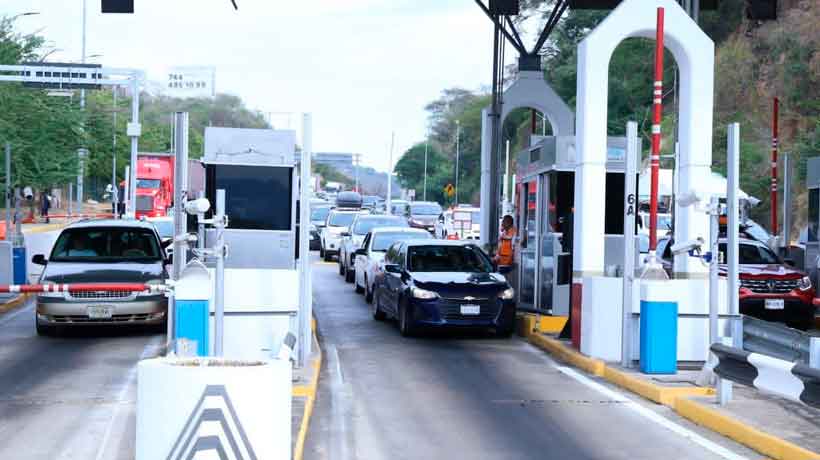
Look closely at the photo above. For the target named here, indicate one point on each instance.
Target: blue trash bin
(19, 265)
(191, 307)
(659, 329)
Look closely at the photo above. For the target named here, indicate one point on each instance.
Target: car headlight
(423, 294)
(507, 294)
(804, 284)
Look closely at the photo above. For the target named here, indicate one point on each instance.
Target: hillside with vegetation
(755, 61)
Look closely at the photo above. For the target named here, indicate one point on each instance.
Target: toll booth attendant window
(256, 197)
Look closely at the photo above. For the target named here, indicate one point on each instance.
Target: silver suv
(103, 251)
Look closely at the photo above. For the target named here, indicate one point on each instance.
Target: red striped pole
(776, 111)
(81, 287)
(655, 156)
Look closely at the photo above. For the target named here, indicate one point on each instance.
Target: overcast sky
(364, 68)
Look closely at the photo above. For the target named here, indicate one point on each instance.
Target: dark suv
(103, 251)
(770, 289)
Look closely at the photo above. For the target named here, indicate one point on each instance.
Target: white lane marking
(655, 417)
(340, 405)
(7, 318)
(150, 347)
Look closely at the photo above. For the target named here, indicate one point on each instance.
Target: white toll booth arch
(593, 311)
(694, 53)
(531, 91)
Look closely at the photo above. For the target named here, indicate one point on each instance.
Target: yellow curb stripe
(310, 394)
(650, 391)
(8, 306)
(556, 348)
(44, 228)
(552, 324)
(764, 443)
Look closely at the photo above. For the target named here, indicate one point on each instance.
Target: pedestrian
(505, 258)
(45, 205)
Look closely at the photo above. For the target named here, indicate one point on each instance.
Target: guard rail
(778, 341)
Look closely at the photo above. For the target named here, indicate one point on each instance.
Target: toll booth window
(532, 193)
(814, 213)
(256, 198)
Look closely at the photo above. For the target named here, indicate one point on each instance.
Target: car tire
(341, 266)
(406, 328)
(322, 251)
(327, 257)
(45, 331)
(376, 310)
(350, 275)
(504, 332)
(368, 293)
(359, 289)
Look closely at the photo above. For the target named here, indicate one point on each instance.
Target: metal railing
(778, 341)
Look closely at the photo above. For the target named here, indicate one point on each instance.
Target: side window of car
(366, 241)
(390, 256)
(402, 255)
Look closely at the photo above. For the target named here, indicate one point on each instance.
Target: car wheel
(327, 257)
(45, 331)
(321, 251)
(376, 310)
(359, 289)
(406, 327)
(341, 266)
(368, 293)
(350, 275)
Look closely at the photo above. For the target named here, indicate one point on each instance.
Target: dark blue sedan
(437, 283)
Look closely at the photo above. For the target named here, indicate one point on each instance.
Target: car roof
(437, 242)
(364, 216)
(424, 202)
(397, 230)
(119, 223)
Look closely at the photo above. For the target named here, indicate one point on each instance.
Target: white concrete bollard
(213, 408)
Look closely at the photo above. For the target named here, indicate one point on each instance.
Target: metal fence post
(733, 232)
(305, 291)
(180, 217)
(630, 208)
(724, 386)
(219, 288)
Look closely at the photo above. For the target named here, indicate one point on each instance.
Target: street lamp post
(82, 152)
(424, 193)
(458, 148)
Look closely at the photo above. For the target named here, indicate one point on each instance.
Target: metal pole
(630, 209)
(458, 151)
(424, 194)
(696, 11)
(714, 204)
(495, 120)
(115, 189)
(200, 226)
(81, 151)
(505, 191)
(180, 191)
(656, 133)
(70, 199)
(8, 191)
(219, 287)
(787, 201)
(775, 112)
(733, 230)
(134, 133)
(389, 201)
(305, 294)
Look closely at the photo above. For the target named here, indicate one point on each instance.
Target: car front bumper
(141, 311)
(447, 313)
(796, 307)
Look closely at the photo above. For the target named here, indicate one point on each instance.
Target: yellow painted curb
(527, 323)
(552, 324)
(650, 391)
(764, 443)
(568, 355)
(8, 306)
(309, 392)
(44, 228)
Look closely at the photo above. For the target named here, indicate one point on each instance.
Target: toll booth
(256, 168)
(812, 250)
(545, 189)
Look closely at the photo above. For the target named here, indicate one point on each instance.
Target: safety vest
(505, 247)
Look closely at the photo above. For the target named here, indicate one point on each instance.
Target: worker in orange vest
(505, 256)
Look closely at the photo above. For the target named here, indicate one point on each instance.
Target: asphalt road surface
(70, 397)
(472, 396)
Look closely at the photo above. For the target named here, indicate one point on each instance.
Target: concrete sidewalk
(775, 427)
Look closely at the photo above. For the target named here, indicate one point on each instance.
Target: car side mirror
(169, 259)
(392, 268)
(39, 259)
(167, 242)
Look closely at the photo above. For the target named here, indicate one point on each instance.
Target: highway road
(473, 396)
(72, 397)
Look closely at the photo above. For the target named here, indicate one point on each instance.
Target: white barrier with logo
(213, 408)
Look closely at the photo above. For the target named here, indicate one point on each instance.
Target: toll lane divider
(309, 393)
(793, 381)
(677, 398)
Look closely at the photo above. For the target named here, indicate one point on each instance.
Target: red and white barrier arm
(81, 287)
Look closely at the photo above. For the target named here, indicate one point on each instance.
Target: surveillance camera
(689, 198)
(198, 206)
(28, 193)
(752, 201)
(687, 246)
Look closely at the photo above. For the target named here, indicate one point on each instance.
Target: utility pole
(458, 151)
(775, 116)
(390, 175)
(424, 193)
(356, 157)
(8, 191)
(82, 151)
(114, 189)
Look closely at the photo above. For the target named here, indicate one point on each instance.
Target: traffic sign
(450, 190)
(56, 75)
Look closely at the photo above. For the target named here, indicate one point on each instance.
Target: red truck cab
(155, 184)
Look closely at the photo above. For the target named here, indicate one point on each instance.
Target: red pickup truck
(770, 289)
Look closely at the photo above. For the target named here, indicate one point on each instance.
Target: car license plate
(774, 304)
(100, 312)
(471, 309)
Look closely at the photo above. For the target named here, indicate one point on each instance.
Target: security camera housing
(687, 246)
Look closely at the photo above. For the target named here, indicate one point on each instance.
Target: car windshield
(165, 228)
(383, 241)
(467, 259)
(751, 254)
(148, 183)
(341, 219)
(365, 225)
(425, 209)
(319, 213)
(106, 244)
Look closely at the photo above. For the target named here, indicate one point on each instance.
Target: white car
(353, 238)
(338, 222)
(463, 222)
(369, 258)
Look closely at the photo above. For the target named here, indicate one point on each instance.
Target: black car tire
(350, 275)
(321, 251)
(368, 293)
(406, 328)
(376, 310)
(45, 331)
(341, 266)
(327, 257)
(803, 323)
(504, 332)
